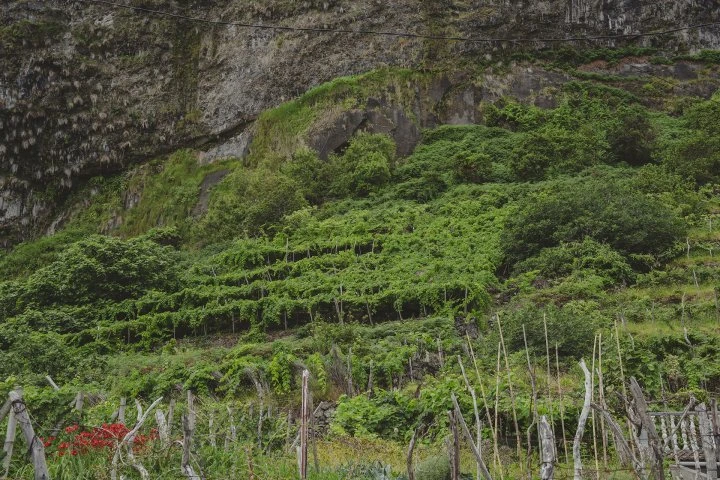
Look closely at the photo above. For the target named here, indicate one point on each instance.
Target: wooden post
(139, 408)
(496, 453)
(623, 448)
(693, 442)
(547, 446)
(601, 397)
(478, 424)
(52, 383)
(121, 410)
(512, 392)
(581, 423)
(468, 436)
(655, 453)
(9, 443)
(162, 428)
(708, 442)
(188, 423)
(411, 449)
(211, 430)
(454, 447)
(592, 396)
(549, 378)
(562, 406)
(533, 403)
(35, 446)
(79, 403)
(304, 425)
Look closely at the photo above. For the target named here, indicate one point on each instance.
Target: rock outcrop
(87, 88)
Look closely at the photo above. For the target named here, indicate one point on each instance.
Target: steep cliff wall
(88, 89)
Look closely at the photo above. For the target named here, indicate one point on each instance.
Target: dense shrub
(102, 267)
(601, 209)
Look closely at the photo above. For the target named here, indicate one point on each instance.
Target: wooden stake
(547, 447)
(601, 396)
(482, 468)
(35, 446)
(624, 451)
(52, 383)
(533, 405)
(562, 406)
(121, 410)
(411, 449)
(549, 379)
(496, 453)
(497, 409)
(163, 434)
(304, 425)
(512, 392)
(592, 399)
(9, 443)
(188, 423)
(707, 441)
(478, 424)
(655, 453)
(454, 447)
(578, 468)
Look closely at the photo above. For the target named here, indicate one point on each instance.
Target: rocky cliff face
(88, 89)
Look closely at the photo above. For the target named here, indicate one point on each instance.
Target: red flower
(72, 428)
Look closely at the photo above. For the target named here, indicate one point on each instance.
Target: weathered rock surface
(89, 89)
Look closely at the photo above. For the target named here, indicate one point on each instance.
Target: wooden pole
(496, 453)
(468, 436)
(121, 410)
(497, 410)
(512, 392)
(304, 425)
(9, 443)
(549, 379)
(454, 446)
(547, 447)
(35, 446)
(478, 424)
(578, 468)
(162, 427)
(188, 423)
(623, 449)
(411, 449)
(707, 441)
(533, 405)
(592, 399)
(562, 406)
(601, 397)
(655, 453)
(52, 383)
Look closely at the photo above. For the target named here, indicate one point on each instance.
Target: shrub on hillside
(600, 209)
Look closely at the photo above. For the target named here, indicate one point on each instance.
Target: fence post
(36, 447)
(547, 470)
(708, 441)
(304, 425)
(9, 442)
(581, 422)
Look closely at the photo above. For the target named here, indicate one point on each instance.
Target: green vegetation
(366, 268)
